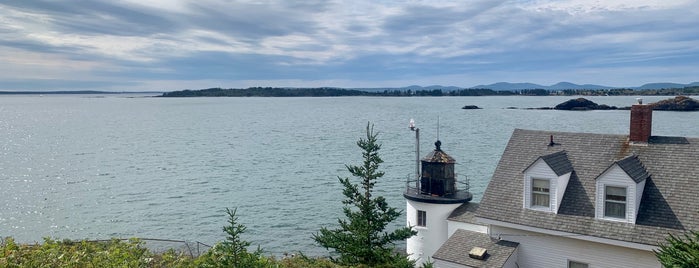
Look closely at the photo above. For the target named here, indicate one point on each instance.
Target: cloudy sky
(166, 45)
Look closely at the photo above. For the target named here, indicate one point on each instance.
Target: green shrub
(67, 253)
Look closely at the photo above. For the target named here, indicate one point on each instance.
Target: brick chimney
(641, 120)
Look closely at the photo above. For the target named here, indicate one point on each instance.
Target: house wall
(541, 250)
(561, 184)
(639, 194)
(616, 176)
(422, 246)
(446, 264)
(452, 226)
(512, 260)
(540, 170)
(558, 184)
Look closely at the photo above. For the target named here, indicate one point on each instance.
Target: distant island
(410, 91)
(496, 89)
(56, 92)
(76, 92)
(678, 103)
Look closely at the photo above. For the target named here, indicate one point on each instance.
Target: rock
(679, 103)
(579, 104)
(606, 107)
(470, 107)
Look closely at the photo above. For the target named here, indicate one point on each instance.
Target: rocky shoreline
(679, 103)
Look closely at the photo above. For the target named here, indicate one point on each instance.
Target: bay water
(98, 167)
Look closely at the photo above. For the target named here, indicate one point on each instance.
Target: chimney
(641, 119)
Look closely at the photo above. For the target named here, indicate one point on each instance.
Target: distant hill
(557, 86)
(411, 88)
(568, 85)
(510, 86)
(433, 87)
(666, 85)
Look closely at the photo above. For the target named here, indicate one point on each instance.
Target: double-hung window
(421, 218)
(615, 202)
(540, 193)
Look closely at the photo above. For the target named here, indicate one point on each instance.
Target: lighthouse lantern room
(431, 197)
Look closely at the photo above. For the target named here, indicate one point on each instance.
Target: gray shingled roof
(464, 213)
(456, 249)
(634, 168)
(558, 162)
(669, 201)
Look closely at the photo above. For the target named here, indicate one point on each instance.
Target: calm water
(100, 167)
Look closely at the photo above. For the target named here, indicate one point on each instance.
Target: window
(421, 218)
(540, 193)
(615, 202)
(575, 264)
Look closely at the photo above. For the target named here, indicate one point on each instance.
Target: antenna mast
(438, 127)
(417, 151)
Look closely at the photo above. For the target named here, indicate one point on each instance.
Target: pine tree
(361, 238)
(679, 252)
(234, 251)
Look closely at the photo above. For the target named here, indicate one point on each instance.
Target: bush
(67, 253)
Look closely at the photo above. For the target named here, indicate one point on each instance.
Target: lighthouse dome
(438, 156)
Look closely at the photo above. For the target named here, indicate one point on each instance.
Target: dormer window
(541, 189)
(545, 181)
(619, 190)
(615, 202)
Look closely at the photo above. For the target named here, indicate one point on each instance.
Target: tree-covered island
(403, 92)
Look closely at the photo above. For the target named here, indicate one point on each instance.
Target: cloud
(348, 43)
(96, 17)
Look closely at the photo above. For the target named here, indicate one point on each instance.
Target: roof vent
(551, 142)
(477, 253)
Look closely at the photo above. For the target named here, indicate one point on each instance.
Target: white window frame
(421, 218)
(625, 202)
(570, 262)
(547, 193)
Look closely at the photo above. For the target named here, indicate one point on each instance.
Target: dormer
(619, 190)
(545, 181)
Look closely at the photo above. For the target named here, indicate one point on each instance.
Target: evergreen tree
(234, 251)
(679, 252)
(361, 238)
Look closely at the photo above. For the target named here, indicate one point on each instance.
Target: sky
(167, 45)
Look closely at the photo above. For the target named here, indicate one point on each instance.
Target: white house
(561, 199)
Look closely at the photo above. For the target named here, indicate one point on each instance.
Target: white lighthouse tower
(430, 199)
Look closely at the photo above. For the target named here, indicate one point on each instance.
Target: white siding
(446, 264)
(541, 250)
(433, 235)
(539, 170)
(452, 226)
(557, 187)
(615, 176)
(639, 194)
(562, 183)
(512, 261)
